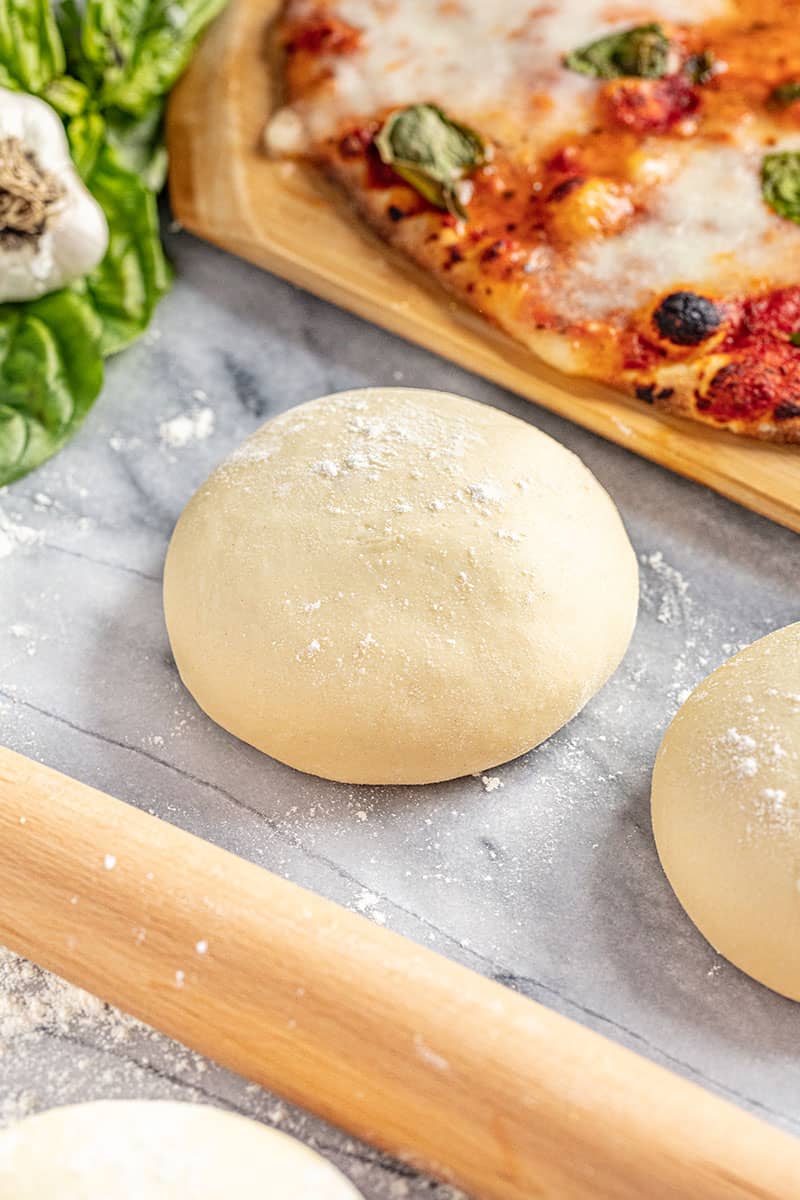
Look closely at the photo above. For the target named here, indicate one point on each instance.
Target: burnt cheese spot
(395, 213)
(686, 318)
(649, 393)
(493, 251)
(566, 186)
(784, 412)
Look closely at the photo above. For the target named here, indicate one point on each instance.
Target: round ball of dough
(398, 586)
(120, 1149)
(726, 809)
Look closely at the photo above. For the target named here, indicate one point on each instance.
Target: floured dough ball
(726, 809)
(159, 1150)
(398, 586)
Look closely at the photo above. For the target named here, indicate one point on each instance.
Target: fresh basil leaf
(134, 274)
(135, 50)
(784, 94)
(68, 19)
(642, 51)
(138, 143)
(86, 135)
(68, 96)
(431, 152)
(31, 51)
(50, 374)
(780, 183)
(794, 338)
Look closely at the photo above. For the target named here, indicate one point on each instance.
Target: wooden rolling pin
(401, 1047)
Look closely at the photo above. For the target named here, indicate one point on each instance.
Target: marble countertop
(549, 882)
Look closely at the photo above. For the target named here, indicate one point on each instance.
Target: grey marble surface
(550, 883)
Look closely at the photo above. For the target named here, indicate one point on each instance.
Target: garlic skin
(75, 234)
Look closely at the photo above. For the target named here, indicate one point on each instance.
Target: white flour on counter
(193, 426)
(37, 1008)
(13, 535)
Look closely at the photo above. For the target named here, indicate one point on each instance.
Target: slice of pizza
(614, 184)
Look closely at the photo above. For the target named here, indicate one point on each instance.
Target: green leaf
(31, 51)
(68, 19)
(50, 374)
(138, 143)
(784, 94)
(68, 96)
(86, 135)
(134, 274)
(794, 338)
(780, 183)
(642, 51)
(431, 152)
(137, 49)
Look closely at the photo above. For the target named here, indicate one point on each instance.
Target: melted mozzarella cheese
(498, 65)
(707, 228)
(482, 60)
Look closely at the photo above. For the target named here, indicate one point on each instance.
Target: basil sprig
(642, 51)
(431, 152)
(105, 66)
(780, 183)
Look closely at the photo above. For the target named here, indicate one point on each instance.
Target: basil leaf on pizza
(642, 51)
(431, 152)
(780, 183)
(620, 224)
(784, 94)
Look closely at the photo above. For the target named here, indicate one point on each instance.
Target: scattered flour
(365, 900)
(486, 493)
(14, 536)
(327, 467)
(193, 426)
(429, 1056)
(666, 592)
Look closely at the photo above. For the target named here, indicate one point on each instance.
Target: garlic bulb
(52, 231)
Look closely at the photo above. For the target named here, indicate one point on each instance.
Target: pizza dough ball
(398, 586)
(159, 1150)
(726, 809)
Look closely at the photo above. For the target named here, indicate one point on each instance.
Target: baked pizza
(615, 184)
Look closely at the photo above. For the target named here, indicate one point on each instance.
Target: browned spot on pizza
(563, 189)
(589, 208)
(639, 353)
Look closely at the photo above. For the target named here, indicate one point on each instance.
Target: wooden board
(286, 218)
